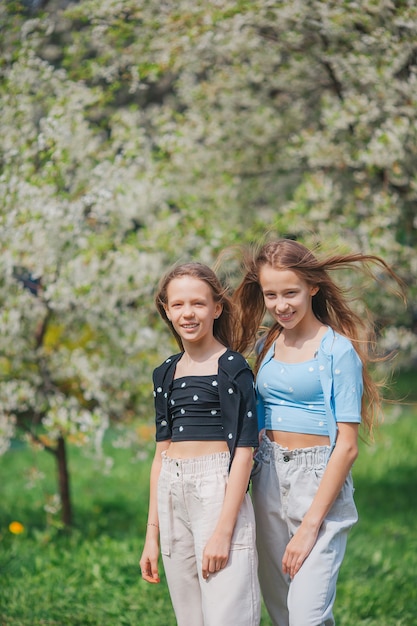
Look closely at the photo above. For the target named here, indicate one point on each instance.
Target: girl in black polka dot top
(206, 428)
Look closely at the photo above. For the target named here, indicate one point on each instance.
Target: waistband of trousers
(307, 457)
(196, 465)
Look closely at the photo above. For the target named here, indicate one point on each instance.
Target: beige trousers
(283, 486)
(190, 498)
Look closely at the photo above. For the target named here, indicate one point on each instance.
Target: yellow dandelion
(16, 528)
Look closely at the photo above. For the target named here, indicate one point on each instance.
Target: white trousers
(283, 486)
(190, 498)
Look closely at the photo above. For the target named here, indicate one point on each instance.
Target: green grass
(378, 581)
(87, 576)
(90, 576)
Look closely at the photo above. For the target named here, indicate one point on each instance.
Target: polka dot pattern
(293, 395)
(195, 409)
(195, 414)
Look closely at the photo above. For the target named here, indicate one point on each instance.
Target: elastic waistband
(196, 465)
(308, 457)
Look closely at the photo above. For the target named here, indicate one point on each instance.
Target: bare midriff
(294, 441)
(191, 449)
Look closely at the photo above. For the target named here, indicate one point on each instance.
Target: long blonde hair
(330, 306)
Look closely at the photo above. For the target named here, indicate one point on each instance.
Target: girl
(311, 374)
(206, 429)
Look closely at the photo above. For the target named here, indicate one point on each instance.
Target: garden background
(135, 134)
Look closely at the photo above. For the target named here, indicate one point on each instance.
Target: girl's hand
(215, 554)
(149, 561)
(298, 549)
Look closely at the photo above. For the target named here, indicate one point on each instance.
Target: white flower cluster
(65, 417)
(402, 343)
(7, 430)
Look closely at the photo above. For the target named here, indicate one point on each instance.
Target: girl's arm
(216, 552)
(149, 559)
(338, 467)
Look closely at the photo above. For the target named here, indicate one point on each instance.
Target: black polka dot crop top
(194, 407)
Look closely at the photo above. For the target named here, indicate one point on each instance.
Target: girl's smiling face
(287, 297)
(191, 308)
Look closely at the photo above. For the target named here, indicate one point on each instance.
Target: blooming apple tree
(135, 134)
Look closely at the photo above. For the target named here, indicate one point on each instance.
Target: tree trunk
(64, 482)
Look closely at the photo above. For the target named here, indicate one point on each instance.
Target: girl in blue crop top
(313, 390)
(206, 430)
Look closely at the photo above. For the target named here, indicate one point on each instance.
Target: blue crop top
(194, 407)
(293, 397)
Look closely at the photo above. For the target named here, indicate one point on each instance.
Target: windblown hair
(330, 306)
(224, 325)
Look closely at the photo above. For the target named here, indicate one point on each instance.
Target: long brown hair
(224, 325)
(330, 305)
